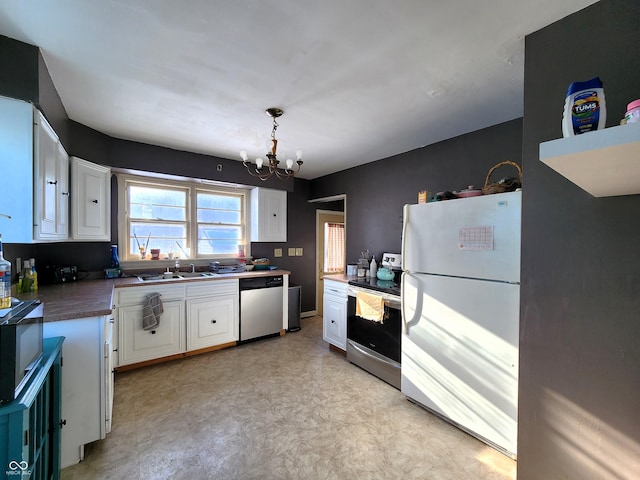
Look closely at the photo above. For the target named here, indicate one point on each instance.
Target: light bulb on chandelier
(272, 162)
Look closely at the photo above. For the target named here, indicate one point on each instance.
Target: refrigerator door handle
(405, 212)
(402, 303)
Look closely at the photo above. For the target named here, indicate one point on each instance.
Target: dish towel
(151, 310)
(370, 306)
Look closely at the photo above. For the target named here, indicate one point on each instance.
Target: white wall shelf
(604, 163)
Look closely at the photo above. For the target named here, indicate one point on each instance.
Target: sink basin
(198, 274)
(155, 278)
(177, 276)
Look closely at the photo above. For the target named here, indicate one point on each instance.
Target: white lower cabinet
(139, 345)
(196, 315)
(334, 321)
(212, 313)
(86, 397)
(211, 322)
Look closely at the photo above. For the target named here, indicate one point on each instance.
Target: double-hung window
(181, 219)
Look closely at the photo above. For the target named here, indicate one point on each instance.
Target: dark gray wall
(18, 69)
(579, 407)
(376, 192)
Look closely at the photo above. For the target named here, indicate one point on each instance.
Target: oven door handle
(381, 358)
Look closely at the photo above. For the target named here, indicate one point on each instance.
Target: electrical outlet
(298, 252)
(277, 252)
(292, 252)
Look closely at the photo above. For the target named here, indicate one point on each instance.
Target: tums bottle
(584, 108)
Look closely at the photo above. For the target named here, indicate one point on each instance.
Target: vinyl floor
(279, 408)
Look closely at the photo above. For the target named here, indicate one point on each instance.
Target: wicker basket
(501, 187)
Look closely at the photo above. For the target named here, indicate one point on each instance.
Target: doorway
(323, 217)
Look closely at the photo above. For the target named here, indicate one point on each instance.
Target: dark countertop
(91, 298)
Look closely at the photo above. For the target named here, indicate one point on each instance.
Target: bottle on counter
(373, 267)
(5, 280)
(115, 261)
(27, 279)
(34, 275)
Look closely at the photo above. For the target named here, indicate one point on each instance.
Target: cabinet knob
(213, 321)
(55, 182)
(63, 422)
(153, 332)
(94, 201)
(65, 193)
(333, 321)
(275, 215)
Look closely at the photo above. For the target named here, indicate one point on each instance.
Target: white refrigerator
(460, 312)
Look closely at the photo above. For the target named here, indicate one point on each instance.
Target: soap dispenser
(373, 268)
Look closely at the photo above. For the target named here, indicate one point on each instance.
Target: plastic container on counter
(633, 112)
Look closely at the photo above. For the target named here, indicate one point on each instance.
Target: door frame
(320, 231)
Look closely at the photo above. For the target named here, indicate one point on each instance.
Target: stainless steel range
(375, 346)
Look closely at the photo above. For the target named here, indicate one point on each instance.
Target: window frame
(191, 187)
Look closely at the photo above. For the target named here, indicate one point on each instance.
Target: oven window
(382, 338)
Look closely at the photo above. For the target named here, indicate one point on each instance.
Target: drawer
(135, 295)
(212, 287)
(332, 287)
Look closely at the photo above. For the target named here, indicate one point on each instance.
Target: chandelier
(263, 171)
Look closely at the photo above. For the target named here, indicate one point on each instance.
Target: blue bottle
(115, 261)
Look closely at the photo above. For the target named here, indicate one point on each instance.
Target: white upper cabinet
(268, 215)
(16, 164)
(35, 176)
(51, 183)
(90, 201)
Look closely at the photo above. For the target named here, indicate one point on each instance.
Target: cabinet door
(211, 321)
(16, 162)
(62, 193)
(138, 345)
(334, 322)
(82, 384)
(91, 201)
(46, 180)
(268, 215)
(51, 183)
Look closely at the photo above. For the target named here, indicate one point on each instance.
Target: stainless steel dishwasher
(261, 307)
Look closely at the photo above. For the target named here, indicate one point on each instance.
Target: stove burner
(385, 286)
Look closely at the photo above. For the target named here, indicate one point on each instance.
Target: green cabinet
(30, 425)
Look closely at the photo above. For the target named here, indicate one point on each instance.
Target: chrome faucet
(193, 268)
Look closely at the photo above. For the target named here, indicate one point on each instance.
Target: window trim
(191, 186)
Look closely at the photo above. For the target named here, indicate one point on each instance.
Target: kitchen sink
(176, 276)
(198, 274)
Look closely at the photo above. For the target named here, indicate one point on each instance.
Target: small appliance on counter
(21, 333)
(58, 274)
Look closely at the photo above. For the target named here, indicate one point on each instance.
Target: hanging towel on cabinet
(151, 311)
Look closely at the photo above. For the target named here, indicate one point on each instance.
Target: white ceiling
(359, 80)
